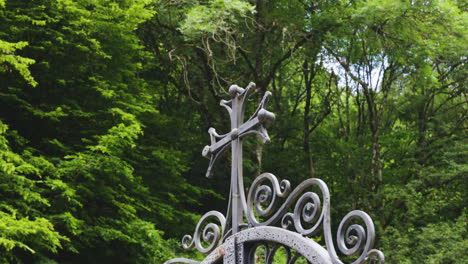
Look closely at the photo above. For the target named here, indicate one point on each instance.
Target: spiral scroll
(309, 209)
(265, 195)
(211, 234)
(358, 238)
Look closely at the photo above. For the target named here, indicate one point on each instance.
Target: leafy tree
(92, 202)
(24, 225)
(104, 108)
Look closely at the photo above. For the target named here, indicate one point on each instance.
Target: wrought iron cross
(311, 213)
(239, 129)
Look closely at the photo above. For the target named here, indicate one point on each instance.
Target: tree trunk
(308, 76)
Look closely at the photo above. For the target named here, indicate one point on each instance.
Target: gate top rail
(305, 210)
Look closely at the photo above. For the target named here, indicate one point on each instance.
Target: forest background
(105, 107)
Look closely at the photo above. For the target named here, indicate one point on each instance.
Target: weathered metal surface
(215, 256)
(231, 251)
(306, 247)
(242, 245)
(181, 261)
(301, 213)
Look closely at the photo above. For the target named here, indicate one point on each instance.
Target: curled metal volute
(356, 240)
(285, 187)
(291, 198)
(260, 194)
(263, 195)
(375, 256)
(361, 239)
(210, 234)
(188, 242)
(287, 221)
(225, 104)
(308, 209)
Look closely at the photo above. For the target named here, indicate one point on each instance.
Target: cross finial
(239, 129)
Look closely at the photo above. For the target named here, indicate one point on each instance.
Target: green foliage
(23, 224)
(9, 59)
(216, 17)
(443, 242)
(105, 106)
(77, 176)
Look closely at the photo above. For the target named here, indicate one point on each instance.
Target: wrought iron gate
(272, 217)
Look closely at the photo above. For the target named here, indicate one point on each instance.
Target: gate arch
(247, 241)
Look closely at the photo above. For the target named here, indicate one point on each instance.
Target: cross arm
(263, 117)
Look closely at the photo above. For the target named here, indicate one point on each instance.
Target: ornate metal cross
(276, 215)
(239, 129)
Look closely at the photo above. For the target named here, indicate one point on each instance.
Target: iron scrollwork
(309, 209)
(301, 210)
(212, 233)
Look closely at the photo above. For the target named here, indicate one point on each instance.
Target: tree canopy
(105, 104)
